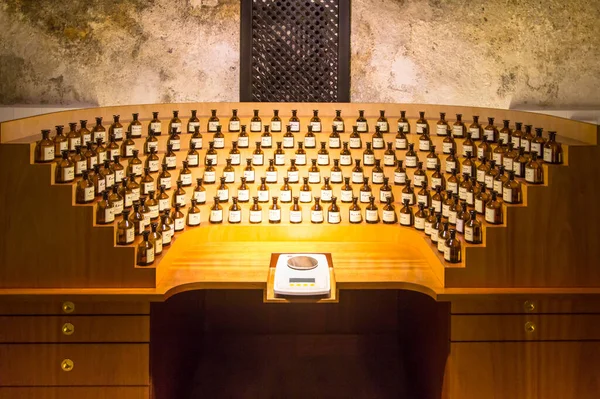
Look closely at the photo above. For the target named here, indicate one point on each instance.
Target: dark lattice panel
(295, 50)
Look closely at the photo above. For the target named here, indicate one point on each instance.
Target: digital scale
(302, 274)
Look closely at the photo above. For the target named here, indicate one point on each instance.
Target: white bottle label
(411, 161)
(452, 217)
(109, 215)
(434, 234)
(316, 126)
(445, 210)
(460, 225)
(310, 142)
(536, 148)
(547, 155)
(378, 143)
(101, 157)
(223, 195)
(255, 126)
(336, 177)
(526, 145)
(436, 181)
(441, 245)
(192, 126)
(467, 148)
(322, 159)
(497, 186)
(136, 130)
(176, 144)
(276, 126)
(230, 177)
(401, 144)
(457, 130)
(371, 215)
(266, 141)
(295, 216)
(333, 217)
(345, 160)
(88, 193)
(216, 215)
(235, 216)
(424, 145)
(489, 134)
(193, 219)
(48, 154)
(468, 169)
(497, 157)
(167, 236)
(346, 195)
(292, 176)
(478, 205)
(530, 175)
(285, 196)
(97, 135)
(469, 234)
(480, 152)
(314, 177)
(419, 223)
(403, 127)
(419, 179)
(255, 216)
(257, 159)
(243, 195)
(326, 195)
(156, 126)
(316, 216)
(300, 159)
(450, 165)
(249, 175)
(474, 133)
(399, 177)
(437, 205)
(334, 142)
(279, 159)
(446, 253)
(389, 160)
(274, 215)
(147, 187)
(481, 176)
(263, 195)
(339, 126)
(193, 160)
(129, 236)
(135, 194)
(442, 130)
(507, 195)
(446, 147)
(357, 177)
(212, 126)
(288, 142)
(503, 136)
(200, 197)
(165, 181)
(153, 211)
(405, 219)
(295, 126)
(420, 127)
(153, 165)
(305, 196)
(384, 195)
(180, 199)
(432, 163)
(489, 180)
(356, 217)
(179, 224)
(355, 142)
(136, 169)
(409, 197)
(234, 126)
(490, 214)
(462, 193)
(243, 141)
(186, 178)
(271, 176)
(364, 196)
(68, 174)
(163, 204)
(80, 166)
(377, 177)
(424, 199)
(389, 216)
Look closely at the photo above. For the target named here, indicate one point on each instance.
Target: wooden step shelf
(52, 242)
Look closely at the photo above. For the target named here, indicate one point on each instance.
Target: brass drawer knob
(68, 307)
(68, 329)
(67, 365)
(529, 306)
(529, 327)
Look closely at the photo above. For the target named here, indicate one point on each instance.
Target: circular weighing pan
(302, 262)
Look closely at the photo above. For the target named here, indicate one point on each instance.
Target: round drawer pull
(67, 365)
(68, 329)
(68, 307)
(529, 306)
(529, 327)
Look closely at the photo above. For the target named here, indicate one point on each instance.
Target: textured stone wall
(498, 53)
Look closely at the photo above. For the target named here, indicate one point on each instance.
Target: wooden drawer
(524, 327)
(72, 306)
(99, 365)
(75, 393)
(501, 304)
(65, 329)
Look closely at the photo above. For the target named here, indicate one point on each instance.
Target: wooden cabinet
(75, 393)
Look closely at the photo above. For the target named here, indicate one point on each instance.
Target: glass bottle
(165, 229)
(371, 212)
(61, 142)
(174, 140)
(185, 175)
(420, 176)
(399, 174)
(127, 146)
(98, 131)
(493, 210)
(355, 213)
(401, 141)
(517, 134)
(505, 133)
(385, 191)
(423, 196)
(420, 217)
(229, 172)
(424, 140)
(326, 191)
(377, 173)
(447, 203)
(178, 218)
(377, 139)
(294, 123)
(155, 125)
(315, 122)
(234, 123)
(179, 195)
(295, 212)
(473, 230)
(346, 193)
(448, 144)
(333, 213)
(196, 139)
(411, 158)
(65, 169)
(422, 123)
(382, 122)
(365, 191)
(193, 214)
(78, 160)
(338, 122)
(125, 231)
(519, 163)
(213, 121)
(216, 212)
(44, 149)
(258, 156)
(443, 235)
(442, 126)
(527, 138)
(112, 147)
(263, 190)
(453, 182)
(193, 157)
(243, 138)
(511, 190)
(498, 152)
(534, 171)
(314, 173)
(431, 221)
(389, 212)
(305, 191)
(163, 199)
(243, 192)
(484, 149)
(408, 193)
(200, 192)
(511, 154)
(468, 145)
(73, 137)
(288, 138)
(432, 159)
(552, 150)
(355, 140)
(403, 125)
(218, 139)
(156, 239)
(235, 212)
(84, 193)
(255, 123)
(452, 248)
(345, 155)
(210, 175)
(469, 166)
(292, 172)
(211, 154)
(453, 210)
(134, 187)
(86, 135)
(498, 181)
(475, 129)
(481, 170)
(274, 212)
(458, 128)
(323, 155)
(357, 172)
(437, 199)
(100, 151)
(462, 216)
(336, 176)
(435, 229)
(279, 154)
(310, 140)
(537, 144)
(437, 178)
(164, 178)
(389, 156)
(193, 121)
(145, 251)
(104, 210)
(285, 192)
(491, 132)
(151, 142)
(276, 122)
(152, 205)
(406, 214)
(300, 155)
(481, 199)
(249, 173)
(223, 191)
(266, 139)
(490, 174)
(316, 212)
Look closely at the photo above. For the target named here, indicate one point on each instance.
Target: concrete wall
(500, 53)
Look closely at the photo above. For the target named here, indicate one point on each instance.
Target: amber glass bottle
(493, 210)
(44, 149)
(389, 212)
